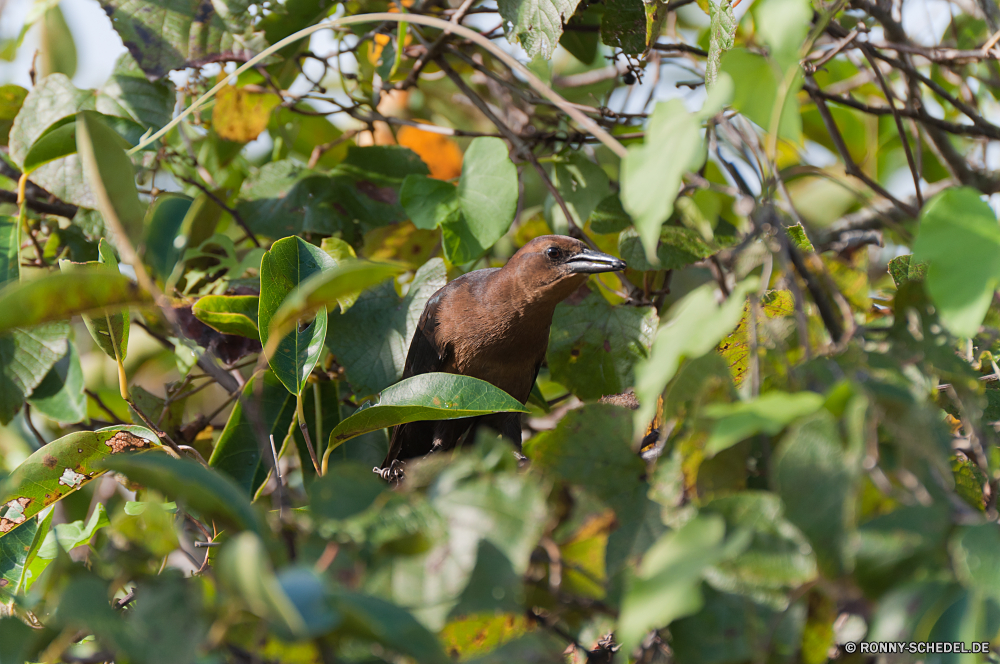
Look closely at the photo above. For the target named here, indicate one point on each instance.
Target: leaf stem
(304, 428)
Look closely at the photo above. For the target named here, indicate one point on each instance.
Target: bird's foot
(522, 461)
(393, 474)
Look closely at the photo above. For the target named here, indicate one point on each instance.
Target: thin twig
(222, 204)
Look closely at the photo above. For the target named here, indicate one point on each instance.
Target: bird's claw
(393, 473)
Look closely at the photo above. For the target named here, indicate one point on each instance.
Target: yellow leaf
(441, 154)
(240, 115)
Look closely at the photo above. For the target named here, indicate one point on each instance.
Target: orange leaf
(441, 154)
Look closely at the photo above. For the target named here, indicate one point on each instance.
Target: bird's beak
(592, 262)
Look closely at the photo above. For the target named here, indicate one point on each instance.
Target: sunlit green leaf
(430, 396)
(229, 314)
(289, 263)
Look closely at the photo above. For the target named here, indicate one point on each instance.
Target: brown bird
(492, 324)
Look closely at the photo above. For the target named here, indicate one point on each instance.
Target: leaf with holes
(62, 467)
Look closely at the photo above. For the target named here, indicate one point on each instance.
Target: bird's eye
(553, 253)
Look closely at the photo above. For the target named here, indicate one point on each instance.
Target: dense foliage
(202, 330)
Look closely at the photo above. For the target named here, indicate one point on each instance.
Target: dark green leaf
(26, 356)
(198, 487)
(428, 202)
(536, 24)
(624, 26)
(129, 94)
(609, 216)
(582, 185)
(164, 225)
(290, 262)
(373, 618)
(345, 490)
(265, 409)
(162, 36)
(346, 281)
(814, 479)
(59, 139)
(371, 339)
(594, 347)
(60, 395)
(63, 466)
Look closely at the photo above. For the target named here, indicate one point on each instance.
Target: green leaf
(609, 216)
(814, 478)
(487, 198)
(769, 413)
(591, 447)
(651, 172)
(229, 314)
(63, 466)
(59, 139)
(536, 24)
(345, 490)
(667, 583)
(10, 249)
(244, 569)
(17, 639)
(60, 395)
(264, 405)
(778, 557)
(110, 175)
(68, 536)
(371, 339)
(52, 99)
(583, 185)
(15, 549)
(129, 94)
(783, 25)
(624, 26)
(428, 202)
(58, 51)
(975, 552)
(198, 487)
(393, 627)
(756, 90)
(290, 262)
(430, 396)
(61, 296)
(26, 356)
(798, 235)
(11, 98)
(693, 327)
(678, 247)
(723, 34)
(960, 238)
(164, 239)
(163, 36)
(594, 347)
(346, 281)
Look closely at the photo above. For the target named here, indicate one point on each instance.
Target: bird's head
(556, 265)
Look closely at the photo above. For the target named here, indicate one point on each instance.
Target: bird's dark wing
(424, 356)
